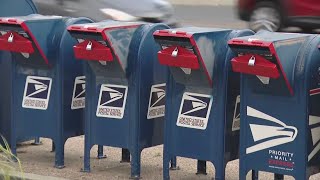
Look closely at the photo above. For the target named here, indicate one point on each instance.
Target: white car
(154, 11)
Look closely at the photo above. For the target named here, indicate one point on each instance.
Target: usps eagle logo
(79, 93)
(194, 110)
(267, 136)
(37, 92)
(112, 100)
(157, 101)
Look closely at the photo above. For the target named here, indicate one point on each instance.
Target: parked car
(276, 14)
(153, 11)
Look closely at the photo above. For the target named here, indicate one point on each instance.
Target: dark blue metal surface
(186, 132)
(280, 130)
(43, 91)
(10, 8)
(119, 118)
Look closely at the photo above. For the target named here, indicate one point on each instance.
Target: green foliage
(8, 162)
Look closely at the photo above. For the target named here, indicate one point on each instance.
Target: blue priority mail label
(79, 93)
(194, 110)
(112, 101)
(157, 102)
(37, 92)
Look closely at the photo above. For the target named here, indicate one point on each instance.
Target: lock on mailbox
(125, 90)
(280, 94)
(202, 115)
(45, 81)
(10, 8)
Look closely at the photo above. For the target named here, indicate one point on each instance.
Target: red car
(276, 14)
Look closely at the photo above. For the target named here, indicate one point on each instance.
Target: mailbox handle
(92, 50)
(14, 42)
(256, 65)
(177, 56)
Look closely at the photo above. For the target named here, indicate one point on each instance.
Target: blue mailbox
(202, 115)
(280, 98)
(125, 89)
(10, 8)
(43, 78)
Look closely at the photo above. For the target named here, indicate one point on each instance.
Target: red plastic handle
(181, 58)
(97, 51)
(14, 42)
(260, 66)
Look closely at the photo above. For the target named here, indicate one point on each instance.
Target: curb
(28, 176)
(204, 2)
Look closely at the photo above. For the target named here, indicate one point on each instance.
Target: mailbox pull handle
(10, 38)
(89, 46)
(175, 52)
(252, 61)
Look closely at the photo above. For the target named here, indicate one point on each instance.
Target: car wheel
(266, 16)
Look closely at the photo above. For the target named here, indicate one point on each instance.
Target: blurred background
(273, 15)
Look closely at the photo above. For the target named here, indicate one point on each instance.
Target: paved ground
(39, 160)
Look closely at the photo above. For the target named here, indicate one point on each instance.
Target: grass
(8, 162)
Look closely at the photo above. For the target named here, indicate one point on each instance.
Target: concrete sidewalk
(204, 2)
(39, 160)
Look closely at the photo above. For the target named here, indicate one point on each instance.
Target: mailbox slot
(92, 50)
(260, 59)
(92, 46)
(177, 52)
(17, 38)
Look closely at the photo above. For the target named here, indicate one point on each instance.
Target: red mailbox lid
(22, 43)
(178, 57)
(184, 58)
(92, 50)
(259, 66)
(14, 42)
(263, 66)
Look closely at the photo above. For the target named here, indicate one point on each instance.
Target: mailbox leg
(243, 172)
(255, 175)
(14, 150)
(53, 147)
(86, 158)
(278, 177)
(173, 164)
(135, 164)
(201, 167)
(125, 156)
(36, 141)
(59, 162)
(100, 152)
(220, 171)
(165, 165)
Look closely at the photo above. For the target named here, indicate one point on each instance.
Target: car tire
(265, 16)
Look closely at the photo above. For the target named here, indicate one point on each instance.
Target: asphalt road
(209, 16)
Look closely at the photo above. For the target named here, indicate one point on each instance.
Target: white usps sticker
(194, 110)
(236, 115)
(112, 101)
(79, 93)
(157, 102)
(37, 92)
